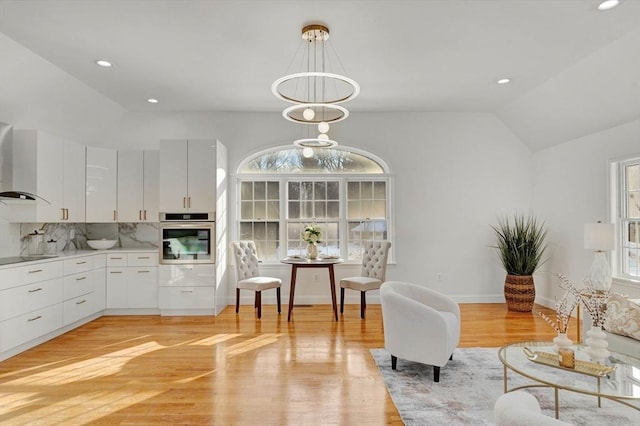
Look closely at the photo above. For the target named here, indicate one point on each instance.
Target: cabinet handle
(145, 215)
(184, 202)
(139, 214)
(81, 263)
(186, 291)
(81, 278)
(115, 272)
(115, 215)
(34, 290)
(143, 272)
(115, 258)
(189, 202)
(66, 211)
(63, 218)
(81, 302)
(35, 271)
(35, 318)
(144, 257)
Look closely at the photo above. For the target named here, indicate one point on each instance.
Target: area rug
(469, 386)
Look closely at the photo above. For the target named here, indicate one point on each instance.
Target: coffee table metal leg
(555, 390)
(504, 377)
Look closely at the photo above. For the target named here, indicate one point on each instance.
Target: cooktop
(20, 259)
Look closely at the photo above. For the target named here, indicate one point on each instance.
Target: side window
(260, 216)
(629, 217)
(366, 214)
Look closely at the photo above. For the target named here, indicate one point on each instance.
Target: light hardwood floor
(228, 370)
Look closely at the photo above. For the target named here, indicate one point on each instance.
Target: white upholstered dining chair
(248, 274)
(420, 324)
(372, 274)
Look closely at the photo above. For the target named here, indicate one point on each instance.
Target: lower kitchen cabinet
(187, 289)
(132, 282)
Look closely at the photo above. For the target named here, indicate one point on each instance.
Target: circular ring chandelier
(314, 81)
(315, 143)
(321, 112)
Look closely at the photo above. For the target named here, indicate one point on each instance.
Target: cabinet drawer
(78, 284)
(28, 298)
(78, 264)
(187, 275)
(14, 277)
(21, 329)
(187, 297)
(78, 308)
(142, 259)
(119, 259)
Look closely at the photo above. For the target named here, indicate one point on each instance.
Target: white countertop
(69, 254)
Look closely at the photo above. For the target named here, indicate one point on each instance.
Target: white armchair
(420, 324)
(248, 274)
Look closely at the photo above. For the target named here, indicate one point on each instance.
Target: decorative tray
(583, 367)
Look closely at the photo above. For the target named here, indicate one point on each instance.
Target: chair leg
(237, 300)
(451, 357)
(363, 304)
(342, 300)
(436, 374)
(394, 362)
(278, 298)
(259, 303)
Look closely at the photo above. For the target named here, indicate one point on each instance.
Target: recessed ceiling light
(103, 63)
(152, 101)
(608, 4)
(504, 81)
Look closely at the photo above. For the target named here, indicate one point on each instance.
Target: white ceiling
(433, 55)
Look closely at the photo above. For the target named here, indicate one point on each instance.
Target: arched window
(344, 191)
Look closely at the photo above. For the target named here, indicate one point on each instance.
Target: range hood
(21, 195)
(6, 151)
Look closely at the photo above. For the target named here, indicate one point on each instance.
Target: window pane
(366, 190)
(333, 191)
(633, 204)
(294, 209)
(273, 190)
(353, 190)
(246, 230)
(306, 190)
(247, 210)
(294, 191)
(380, 190)
(260, 210)
(259, 190)
(333, 209)
(246, 191)
(379, 209)
(320, 190)
(273, 210)
(306, 209)
(633, 177)
(320, 210)
(259, 231)
(273, 229)
(353, 210)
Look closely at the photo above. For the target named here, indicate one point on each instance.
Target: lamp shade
(599, 236)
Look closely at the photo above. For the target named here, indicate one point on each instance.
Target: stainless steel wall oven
(187, 238)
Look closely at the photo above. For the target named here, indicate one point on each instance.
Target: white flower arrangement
(311, 234)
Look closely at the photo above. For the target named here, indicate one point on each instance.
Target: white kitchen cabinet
(132, 282)
(101, 189)
(187, 175)
(138, 175)
(53, 169)
(187, 289)
(82, 292)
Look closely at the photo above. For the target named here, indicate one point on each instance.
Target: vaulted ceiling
(574, 70)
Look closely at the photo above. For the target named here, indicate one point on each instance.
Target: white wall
(571, 189)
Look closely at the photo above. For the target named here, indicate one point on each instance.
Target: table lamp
(600, 237)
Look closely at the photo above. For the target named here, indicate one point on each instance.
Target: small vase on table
(561, 341)
(597, 344)
(312, 251)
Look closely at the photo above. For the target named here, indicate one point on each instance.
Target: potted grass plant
(520, 242)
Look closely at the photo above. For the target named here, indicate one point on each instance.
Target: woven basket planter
(520, 292)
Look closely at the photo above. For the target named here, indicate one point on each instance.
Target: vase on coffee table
(597, 344)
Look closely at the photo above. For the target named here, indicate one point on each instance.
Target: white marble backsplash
(129, 235)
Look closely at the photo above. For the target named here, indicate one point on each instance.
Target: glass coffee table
(617, 380)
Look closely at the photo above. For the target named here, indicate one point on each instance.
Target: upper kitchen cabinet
(187, 175)
(53, 169)
(138, 174)
(101, 185)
